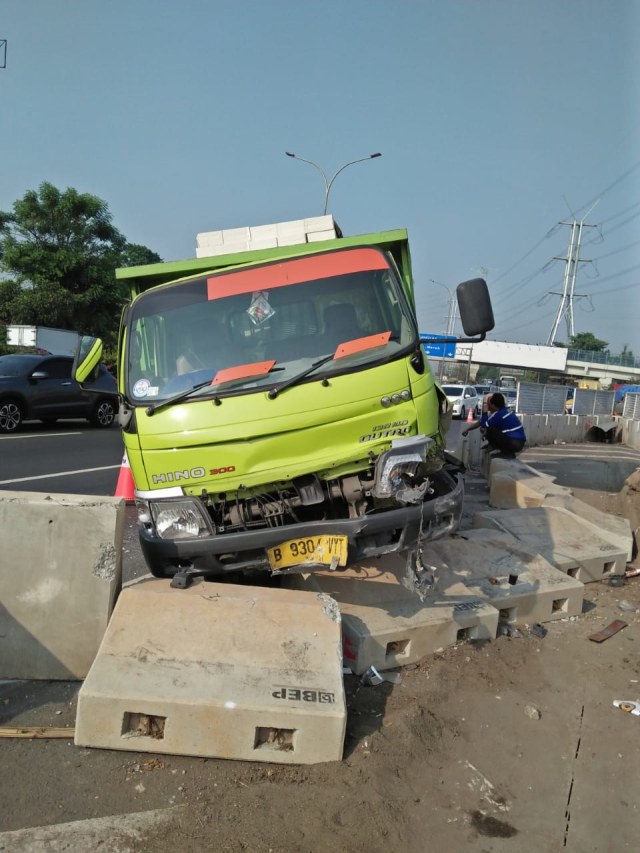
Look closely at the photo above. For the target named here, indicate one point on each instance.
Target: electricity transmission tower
(572, 259)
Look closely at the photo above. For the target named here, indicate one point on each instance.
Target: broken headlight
(400, 472)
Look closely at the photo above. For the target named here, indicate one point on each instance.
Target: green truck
(278, 410)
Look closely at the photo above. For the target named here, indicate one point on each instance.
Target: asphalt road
(69, 457)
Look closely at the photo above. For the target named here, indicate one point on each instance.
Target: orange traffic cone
(125, 486)
(470, 418)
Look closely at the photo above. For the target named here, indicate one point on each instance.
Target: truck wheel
(11, 415)
(104, 414)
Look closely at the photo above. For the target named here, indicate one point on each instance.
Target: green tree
(134, 255)
(587, 341)
(60, 250)
(627, 354)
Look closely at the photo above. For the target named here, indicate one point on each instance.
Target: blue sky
(496, 119)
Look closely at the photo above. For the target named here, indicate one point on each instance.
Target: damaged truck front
(278, 411)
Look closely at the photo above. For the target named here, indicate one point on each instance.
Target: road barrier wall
(557, 429)
(630, 432)
(60, 575)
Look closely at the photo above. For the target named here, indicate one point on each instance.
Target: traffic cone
(470, 418)
(125, 486)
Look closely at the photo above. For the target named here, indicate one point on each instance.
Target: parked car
(463, 398)
(510, 397)
(37, 387)
(484, 390)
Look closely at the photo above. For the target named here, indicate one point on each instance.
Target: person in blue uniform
(502, 429)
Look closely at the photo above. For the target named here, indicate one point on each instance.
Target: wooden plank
(36, 732)
(609, 631)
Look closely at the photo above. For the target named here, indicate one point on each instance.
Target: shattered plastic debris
(373, 677)
(628, 705)
(626, 606)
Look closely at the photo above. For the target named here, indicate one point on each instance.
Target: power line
(617, 251)
(611, 186)
(554, 228)
(614, 228)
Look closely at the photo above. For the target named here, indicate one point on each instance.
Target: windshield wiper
(177, 397)
(273, 393)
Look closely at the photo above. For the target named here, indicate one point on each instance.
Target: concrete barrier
(555, 429)
(60, 574)
(385, 624)
(218, 670)
(630, 432)
(562, 538)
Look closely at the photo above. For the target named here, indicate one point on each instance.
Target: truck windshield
(261, 326)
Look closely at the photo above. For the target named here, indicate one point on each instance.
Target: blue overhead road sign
(434, 346)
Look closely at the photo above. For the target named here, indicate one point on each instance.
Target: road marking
(60, 474)
(38, 435)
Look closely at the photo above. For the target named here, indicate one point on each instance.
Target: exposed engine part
(309, 490)
(309, 498)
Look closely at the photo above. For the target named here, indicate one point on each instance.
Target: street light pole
(451, 317)
(328, 183)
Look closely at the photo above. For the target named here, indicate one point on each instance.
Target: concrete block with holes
(218, 670)
(495, 567)
(567, 542)
(386, 624)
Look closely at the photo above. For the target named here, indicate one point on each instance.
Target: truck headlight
(180, 519)
(400, 470)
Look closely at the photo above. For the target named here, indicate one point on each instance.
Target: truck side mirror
(87, 358)
(474, 302)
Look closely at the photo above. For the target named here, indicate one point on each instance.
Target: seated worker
(501, 428)
(203, 349)
(188, 361)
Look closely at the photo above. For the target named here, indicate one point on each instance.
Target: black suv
(37, 387)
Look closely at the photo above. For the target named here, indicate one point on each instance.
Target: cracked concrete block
(218, 670)
(520, 583)
(516, 484)
(386, 624)
(612, 528)
(568, 543)
(61, 572)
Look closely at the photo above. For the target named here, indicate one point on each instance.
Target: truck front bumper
(382, 532)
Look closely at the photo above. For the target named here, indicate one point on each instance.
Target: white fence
(631, 407)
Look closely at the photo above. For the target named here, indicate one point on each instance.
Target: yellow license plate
(321, 550)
